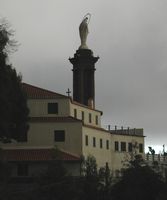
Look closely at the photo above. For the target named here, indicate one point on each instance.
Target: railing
(156, 157)
(136, 132)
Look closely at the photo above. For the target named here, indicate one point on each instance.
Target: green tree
(138, 182)
(90, 182)
(152, 151)
(90, 167)
(54, 183)
(13, 104)
(105, 180)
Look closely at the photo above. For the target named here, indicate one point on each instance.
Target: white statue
(83, 31)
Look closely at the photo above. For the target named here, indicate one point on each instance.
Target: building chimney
(90, 103)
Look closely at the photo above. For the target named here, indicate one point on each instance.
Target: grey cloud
(129, 36)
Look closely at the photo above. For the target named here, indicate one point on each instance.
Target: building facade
(71, 125)
(56, 121)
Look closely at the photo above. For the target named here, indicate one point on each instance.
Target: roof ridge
(96, 127)
(36, 154)
(52, 118)
(82, 105)
(69, 153)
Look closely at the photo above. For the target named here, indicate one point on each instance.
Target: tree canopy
(13, 103)
(139, 181)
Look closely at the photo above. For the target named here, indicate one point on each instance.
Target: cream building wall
(101, 153)
(87, 111)
(39, 107)
(41, 135)
(45, 136)
(120, 158)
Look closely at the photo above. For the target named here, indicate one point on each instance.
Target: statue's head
(86, 18)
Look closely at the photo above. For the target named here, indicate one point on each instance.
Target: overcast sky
(130, 36)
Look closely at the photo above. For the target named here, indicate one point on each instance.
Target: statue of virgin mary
(83, 32)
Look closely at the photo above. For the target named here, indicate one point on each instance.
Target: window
(116, 146)
(75, 113)
(83, 116)
(90, 118)
(140, 148)
(130, 147)
(22, 169)
(107, 144)
(96, 119)
(101, 143)
(94, 142)
(86, 140)
(59, 135)
(123, 146)
(52, 108)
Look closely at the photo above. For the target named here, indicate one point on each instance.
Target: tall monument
(84, 68)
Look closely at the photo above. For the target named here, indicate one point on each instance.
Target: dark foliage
(95, 184)
(13, 105)
(55, 183)
(5, 172)
(138, 182)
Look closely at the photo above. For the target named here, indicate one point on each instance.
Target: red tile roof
(36, 155)
(34, 92)
(54, 119)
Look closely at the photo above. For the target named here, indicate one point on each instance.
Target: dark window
(140, 148)
(59, 135)
(116, 146)
(96, 119)
(86, 140)
(75, 113)
(107, 144)
(94, 142)
(90, 118)
(83, 116)
(130, 147)
(123, 146)
(52, 108)
(101, 143)
(22, 169)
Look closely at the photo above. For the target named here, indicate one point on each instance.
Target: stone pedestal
(83, 77)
